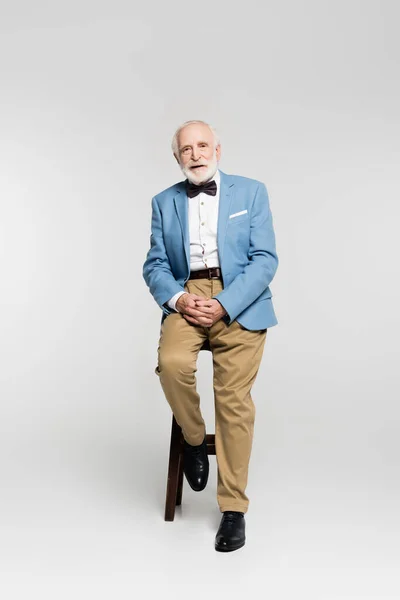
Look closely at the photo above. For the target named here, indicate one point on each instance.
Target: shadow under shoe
(231, 532)
(196, 465)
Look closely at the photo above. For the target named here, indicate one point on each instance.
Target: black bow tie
(208, 188)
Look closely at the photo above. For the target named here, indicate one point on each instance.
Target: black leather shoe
(196, 465)
(231, 533)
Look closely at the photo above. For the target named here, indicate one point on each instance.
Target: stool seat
(206, 346)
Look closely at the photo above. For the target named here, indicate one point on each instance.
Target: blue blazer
(246, 249)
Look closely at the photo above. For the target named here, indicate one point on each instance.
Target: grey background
(305, 96)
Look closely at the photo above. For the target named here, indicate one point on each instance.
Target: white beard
(205, 174)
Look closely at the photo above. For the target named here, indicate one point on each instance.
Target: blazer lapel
(181, 207)
(225, 200)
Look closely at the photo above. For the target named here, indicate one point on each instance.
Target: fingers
(203, 308)
(195, 312)
(193, 321)
(203, 303)
(198, 309)
(201, 321)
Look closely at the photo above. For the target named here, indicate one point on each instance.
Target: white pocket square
(242, 212)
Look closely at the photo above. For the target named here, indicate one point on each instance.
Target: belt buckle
(209, 274)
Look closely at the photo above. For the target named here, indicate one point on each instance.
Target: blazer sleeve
(262, 260)
(157, 271)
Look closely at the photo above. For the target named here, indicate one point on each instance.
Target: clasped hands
(200, 310)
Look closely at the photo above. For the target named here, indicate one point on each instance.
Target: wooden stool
(175, 465)
(175, 468)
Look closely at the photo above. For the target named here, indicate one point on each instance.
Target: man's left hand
(211, 307)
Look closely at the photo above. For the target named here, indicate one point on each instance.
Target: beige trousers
(237, 354)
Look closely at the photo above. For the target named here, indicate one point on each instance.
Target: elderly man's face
(197, 156)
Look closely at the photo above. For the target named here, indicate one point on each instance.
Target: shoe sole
(224, 549)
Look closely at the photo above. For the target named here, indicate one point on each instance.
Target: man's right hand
(186, 304)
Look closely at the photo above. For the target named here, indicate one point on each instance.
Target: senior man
(212, 257)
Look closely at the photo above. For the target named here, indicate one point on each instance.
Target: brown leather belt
(212, 273)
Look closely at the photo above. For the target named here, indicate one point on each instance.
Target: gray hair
(174, 144)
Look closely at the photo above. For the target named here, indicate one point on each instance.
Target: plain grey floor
(82, 515)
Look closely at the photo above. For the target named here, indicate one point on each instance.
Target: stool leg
(180, 480)
(173, 483)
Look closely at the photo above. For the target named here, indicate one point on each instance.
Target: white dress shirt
(203, 221)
